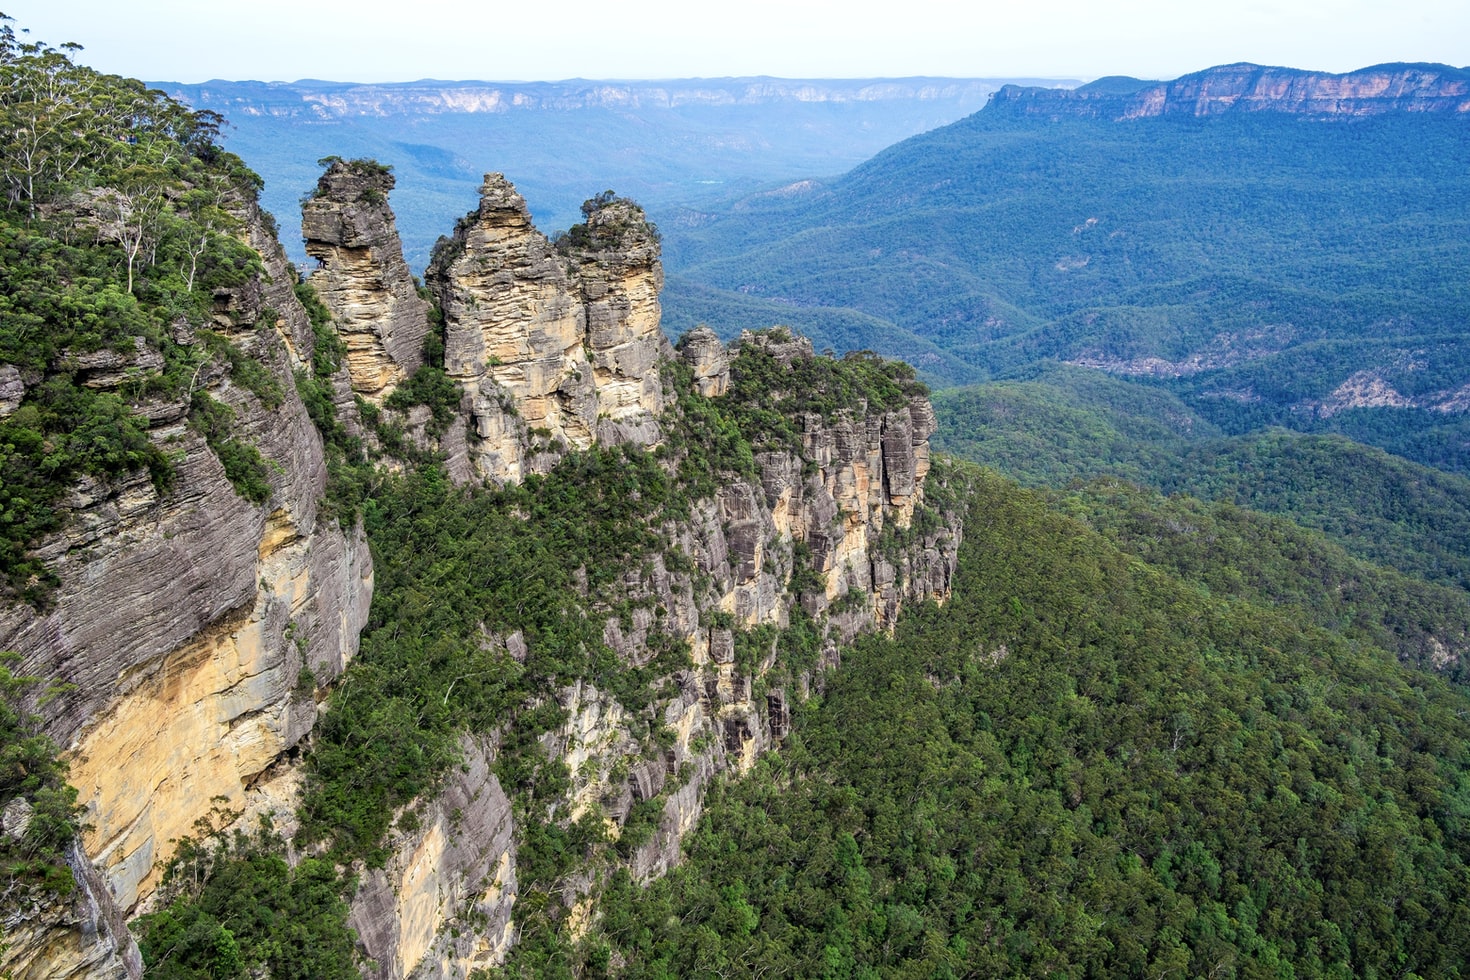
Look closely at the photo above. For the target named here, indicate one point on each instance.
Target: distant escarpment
(1252, 88)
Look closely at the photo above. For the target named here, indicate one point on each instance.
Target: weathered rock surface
(707, 358)
(1253, 88)
(187, 620)
(442, 906)
(200, 628)
(362, 278)
(554, 351)
(12, 389)
(83, 936)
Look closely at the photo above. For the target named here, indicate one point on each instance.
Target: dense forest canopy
(1143, 735)
(1083, 765)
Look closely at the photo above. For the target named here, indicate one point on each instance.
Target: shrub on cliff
(39, 808)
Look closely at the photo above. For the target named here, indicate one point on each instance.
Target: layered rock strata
(828, 501)
(197, 628)
(1253, 88)
(555, 348)
(82, 936)
(442, 906)
(201, 629)
(361, 276)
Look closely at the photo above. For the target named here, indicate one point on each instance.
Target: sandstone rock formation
(555, 348)
(201, 629)
(195, 625)
(708, 361)
(362, 277)
(442, 907)
(1253, 88)
(82, 936)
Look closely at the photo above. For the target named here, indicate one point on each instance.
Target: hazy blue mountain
(1275, 264)
(660, 142)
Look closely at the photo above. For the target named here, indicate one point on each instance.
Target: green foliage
(244, 466)
(1071, 424)
(1379, 506)
(1232, 552)
(119, 223)
(455, 568)
(607, 220)
(61, 433)
(245, 371)
(31, 770)
(996, 242)
(769, 394)
(230, 906)
(706, 438)
(1081, 766)
(1067, 423)
(431, 387)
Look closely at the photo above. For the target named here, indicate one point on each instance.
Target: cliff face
(825, 528)
(555, 349)
(197, 627)
(351, 233)
(442, 906)
(1253, 88)
(201, 629)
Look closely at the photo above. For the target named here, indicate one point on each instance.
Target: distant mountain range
(1277, 246)
(660, 142)
(1253, 88)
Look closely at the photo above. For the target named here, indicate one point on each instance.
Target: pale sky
(537, 40)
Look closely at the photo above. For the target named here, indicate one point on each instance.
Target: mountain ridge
(1247, 87)
(368, 98)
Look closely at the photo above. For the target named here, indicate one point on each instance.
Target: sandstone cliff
(198, 628)
(361, 276)
(202, 630)
(1253, 88)
(556, 348)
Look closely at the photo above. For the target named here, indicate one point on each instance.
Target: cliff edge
(1244, 87)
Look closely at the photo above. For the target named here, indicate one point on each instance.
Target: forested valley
(1193, 701)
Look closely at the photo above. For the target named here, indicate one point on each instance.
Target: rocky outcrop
(823, 530)
(198, 629)
(201, 630)
(81, 936)
(555, 348)
(362, 278)
(442, 906)
(708, 361)
(1253, 88)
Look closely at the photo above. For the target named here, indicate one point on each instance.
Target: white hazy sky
(376, 40)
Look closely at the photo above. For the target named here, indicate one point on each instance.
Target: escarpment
(809, 528)
(194, 628)
(760, 506)
(1254, 88)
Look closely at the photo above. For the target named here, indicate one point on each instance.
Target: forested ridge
(1068, 424)
(121, 221)
(1267, 269)
(1144, 735)
(1083, 765)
